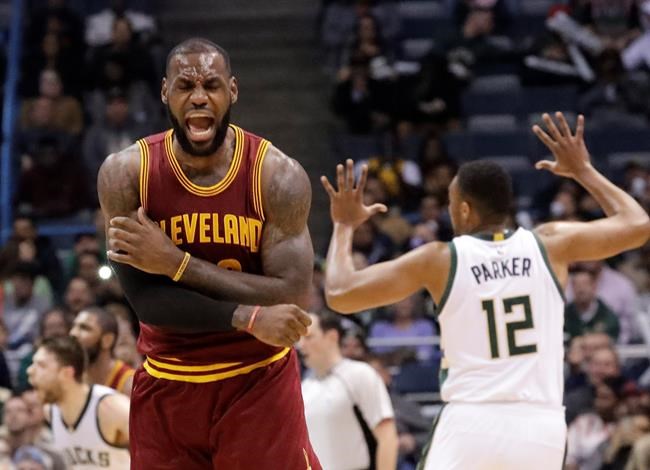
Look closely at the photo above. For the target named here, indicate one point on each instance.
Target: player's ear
(234, 90)
(465, 210)
(163, 91)
(107, 340)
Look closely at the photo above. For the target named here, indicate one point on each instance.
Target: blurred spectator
(436, 180)
(22, 314)
(618, 293)
(42, 128)
(614, 95)
(53, 323)
(637, 54)
(498, 13)
(587, 313)
(17, 419)
(126, 51)
(601, 364)
(125, 346)
(100, 26)
(368, 45)
(436, 95)
(579, 353)
(84, 243)
(429, 222)
(589, 433)
(629, 429)
(78, 296)
(374, 245)
(36, 426)
(26, 245)
(55, 186)
(117, 131)
(564, 206)
(5, 376)
(480, 38)
(96, 329)
(353, 345)
(51, 54)
(550, 63)
(405, 322)
(66, 112)
(32, 458)
(616, 22)
(341, 17)
(361, 101)
(56, 17)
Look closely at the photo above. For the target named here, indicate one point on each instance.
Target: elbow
(336, 301)
(641, 230)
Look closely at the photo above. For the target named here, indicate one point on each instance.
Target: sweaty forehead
(197, 65)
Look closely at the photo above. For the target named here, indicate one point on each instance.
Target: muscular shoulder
(286, 190)
(117, 182)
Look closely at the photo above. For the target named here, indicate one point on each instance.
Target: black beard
(93, 353)
(188, 147)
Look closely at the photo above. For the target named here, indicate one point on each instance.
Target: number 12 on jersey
(512, 327)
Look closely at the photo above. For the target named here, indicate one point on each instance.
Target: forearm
(348, 290)
(612, 199)
(235, 286)
(387, 447)
(159, 301)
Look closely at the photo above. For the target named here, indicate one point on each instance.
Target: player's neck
(73, 402)
(330, 361)
(489, 228)
(99, 370)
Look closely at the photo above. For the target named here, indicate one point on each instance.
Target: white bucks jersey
(82, 443)
(501, 322)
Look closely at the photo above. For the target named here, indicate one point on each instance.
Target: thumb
(545, 165)
(142, 216)
(375, 208)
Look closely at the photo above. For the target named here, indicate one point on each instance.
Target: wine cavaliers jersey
(221, 224)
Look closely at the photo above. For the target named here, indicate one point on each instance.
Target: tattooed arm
(286, 249)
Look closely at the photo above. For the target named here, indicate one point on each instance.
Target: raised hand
(570, 152)
(346, 201)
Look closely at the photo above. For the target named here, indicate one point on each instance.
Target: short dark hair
(25, 269)
(330, 321)
(68, 352)
(106, 319)
(488, 186)
(195, 46)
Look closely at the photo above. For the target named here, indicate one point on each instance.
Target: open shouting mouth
(200, 127)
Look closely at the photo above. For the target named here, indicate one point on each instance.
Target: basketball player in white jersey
(89, 423)
(500, 302)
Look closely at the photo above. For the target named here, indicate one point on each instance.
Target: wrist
(584, 172)
(241, 318)
(181, 265)
(175, 259)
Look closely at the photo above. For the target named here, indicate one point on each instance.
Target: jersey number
(511, 327)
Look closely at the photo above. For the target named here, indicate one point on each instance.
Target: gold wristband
(181, 268)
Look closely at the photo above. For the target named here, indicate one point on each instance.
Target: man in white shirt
(349, 413)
